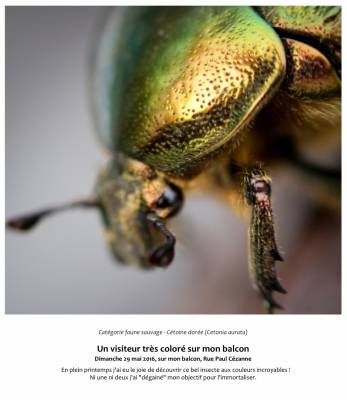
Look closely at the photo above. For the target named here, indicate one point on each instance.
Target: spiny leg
(263, 250)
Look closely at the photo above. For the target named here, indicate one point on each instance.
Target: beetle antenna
(163, 254)
(28, 221)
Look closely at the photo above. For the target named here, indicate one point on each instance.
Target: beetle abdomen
(187, 80)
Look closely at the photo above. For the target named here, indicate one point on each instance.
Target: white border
(35, 347)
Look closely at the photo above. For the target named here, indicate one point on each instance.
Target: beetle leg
(263, 250)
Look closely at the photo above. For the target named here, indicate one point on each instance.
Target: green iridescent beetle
(191, 97)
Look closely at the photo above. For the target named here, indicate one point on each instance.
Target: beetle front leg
(263, 250)
(251, 187)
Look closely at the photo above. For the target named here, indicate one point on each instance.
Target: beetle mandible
(208, 96)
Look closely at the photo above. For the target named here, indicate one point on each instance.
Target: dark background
(53, 156)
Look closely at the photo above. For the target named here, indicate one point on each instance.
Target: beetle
(189, 97)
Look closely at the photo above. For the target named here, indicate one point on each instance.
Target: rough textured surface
(321, 25)
(187, 79)
(263, 250)
(309, 73)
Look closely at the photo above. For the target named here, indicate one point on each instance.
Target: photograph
(173, 160)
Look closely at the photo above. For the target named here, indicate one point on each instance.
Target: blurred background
(53, 156)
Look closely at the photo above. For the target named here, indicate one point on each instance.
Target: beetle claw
(276, 254)
(278, 287)
(271, 304)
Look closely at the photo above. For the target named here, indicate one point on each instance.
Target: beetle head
(135, 201)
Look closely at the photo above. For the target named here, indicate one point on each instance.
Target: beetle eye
(171, 198)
